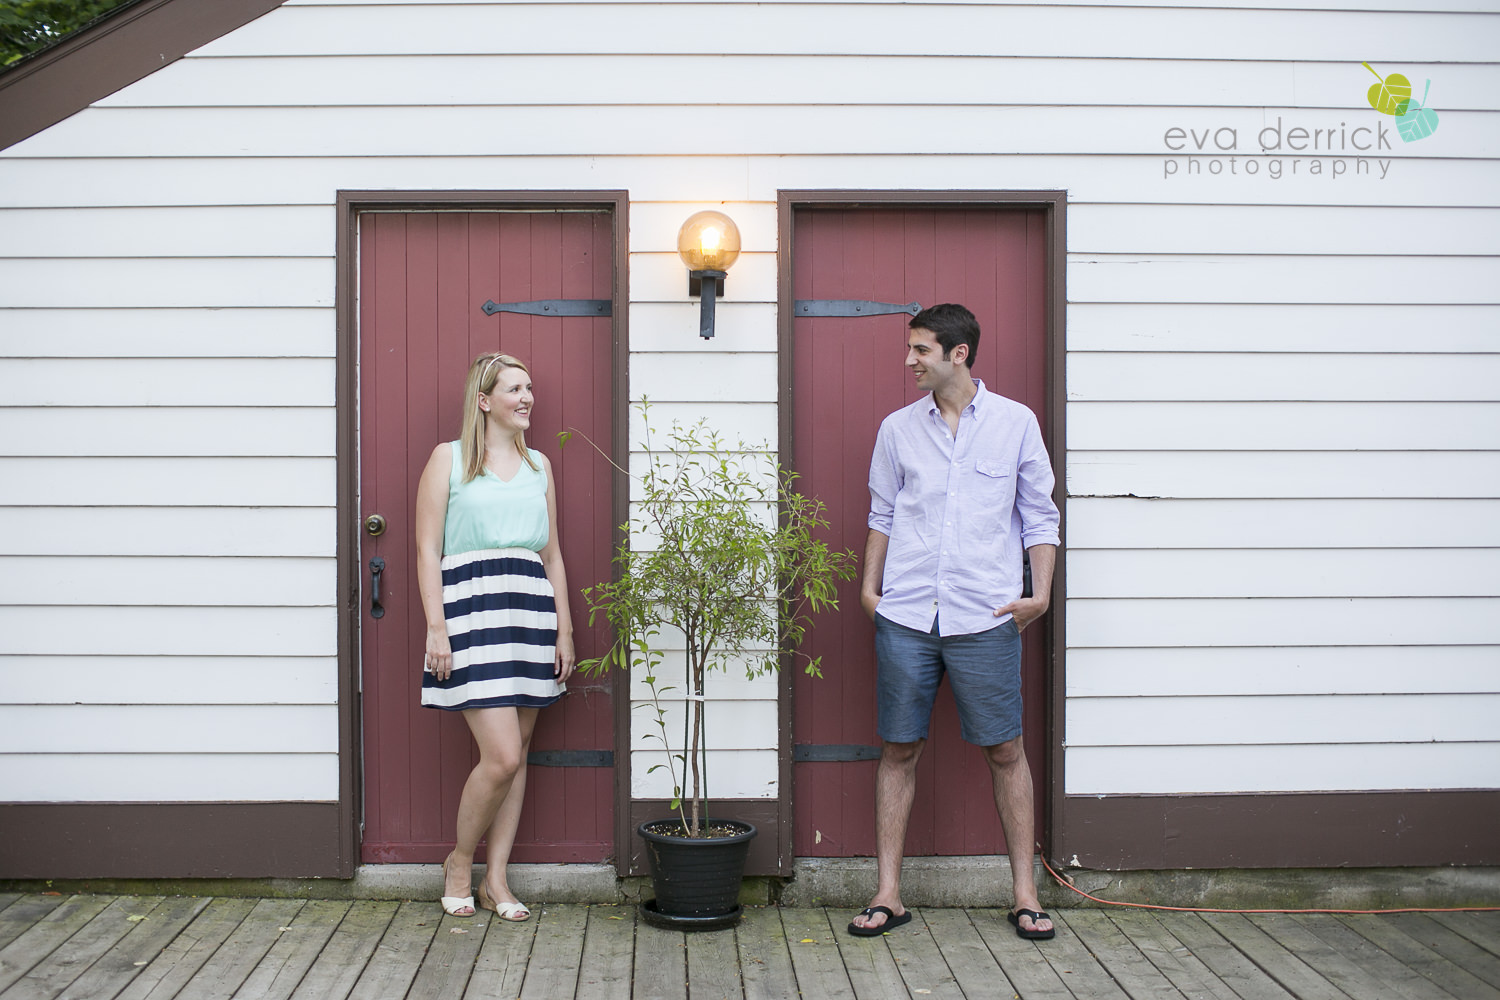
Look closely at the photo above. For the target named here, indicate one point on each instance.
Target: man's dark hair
(951, 324)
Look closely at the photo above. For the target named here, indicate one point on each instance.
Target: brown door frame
(1054, 205)
(350, 205)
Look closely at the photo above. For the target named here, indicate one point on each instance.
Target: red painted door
(423, 278)
(848, 373)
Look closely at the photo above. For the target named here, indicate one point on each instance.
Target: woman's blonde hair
(483, 374)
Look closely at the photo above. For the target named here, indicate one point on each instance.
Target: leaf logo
(1391, 95)
(1417, 121)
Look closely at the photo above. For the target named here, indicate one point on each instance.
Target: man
(960, 484)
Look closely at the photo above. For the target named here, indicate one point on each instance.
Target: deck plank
(1170, 956)
(392, 967)
(277, 975)
(1071, 959)
(1298, 937)
(450, 957)
(137, 947)
(868, 961)
(500, 968)
(608, 961)
(1273, 958)
(920, 961)
(1450, 944)
(713, 966)
(815, 955)
(973, 967)
(73, 958)
(660, 963)
(553, 970)
(171, 970)
(343, 958)
(24, 913)
(234, 960)
(1120, 957)
(32, 946)
(1370, 959)
(1419, 958)
(765, 957)
(1481, 928)
(1023, 963)
(1232, 967)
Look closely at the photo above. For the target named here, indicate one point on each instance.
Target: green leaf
(1417, 122)
(1391, 95)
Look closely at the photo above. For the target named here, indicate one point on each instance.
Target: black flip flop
(1014, 916)
(891, 921)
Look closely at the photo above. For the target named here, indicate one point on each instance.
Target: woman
(499, 638)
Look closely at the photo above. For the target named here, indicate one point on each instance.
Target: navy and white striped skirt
(502, 625)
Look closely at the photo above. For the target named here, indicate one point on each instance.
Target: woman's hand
(565, 659)
(438, 657)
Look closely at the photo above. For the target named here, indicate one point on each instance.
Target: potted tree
(726, 556)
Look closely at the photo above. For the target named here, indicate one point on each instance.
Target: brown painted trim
(128, 45)
(62, 840)
(1055, 205)
(350, 205)
(1289, 830)
(762, 813)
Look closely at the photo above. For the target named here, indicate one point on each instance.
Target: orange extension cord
(1209, 909)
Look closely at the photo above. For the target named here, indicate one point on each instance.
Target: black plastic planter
(697, 880)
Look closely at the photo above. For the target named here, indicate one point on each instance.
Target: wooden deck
(139, 947)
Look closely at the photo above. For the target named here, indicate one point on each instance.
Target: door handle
(377, 567)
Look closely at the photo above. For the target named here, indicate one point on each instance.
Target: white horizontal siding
(177, 581)
(1278, 670)
(735, 774)
(1274, 328)
(1268, 426)
(170, 332)
(1357, 474)
(153, 482)
(1161, 572)
(171, 531)
(1459, 6)
(96, 681)
(1123, 523)
(168, 631)
(169, 777)
(186, 430)
(1151, 770)
(960, 29)
(214, 282)
(1088, 178)
(1285, 621)
(752, 129)
(527, 78)
(216, 729)
(1302, 367)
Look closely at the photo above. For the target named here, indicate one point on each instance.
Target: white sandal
(455, 906)
(514, 912)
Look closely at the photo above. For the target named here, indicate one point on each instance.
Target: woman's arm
(553, 564)
(432, 514)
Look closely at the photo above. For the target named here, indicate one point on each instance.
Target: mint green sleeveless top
(488, 513)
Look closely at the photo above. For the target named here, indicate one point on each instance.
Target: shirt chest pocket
(993, 495)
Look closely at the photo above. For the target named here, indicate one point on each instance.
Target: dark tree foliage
(28, 26)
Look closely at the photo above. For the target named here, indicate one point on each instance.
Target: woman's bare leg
(502, 755)
(502, 831)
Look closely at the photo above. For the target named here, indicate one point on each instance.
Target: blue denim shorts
(984, 669)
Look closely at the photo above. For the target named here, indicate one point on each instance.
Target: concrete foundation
(848, 882)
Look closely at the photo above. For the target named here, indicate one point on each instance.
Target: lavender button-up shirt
(959, 511)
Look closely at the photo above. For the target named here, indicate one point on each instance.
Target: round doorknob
(375, 525)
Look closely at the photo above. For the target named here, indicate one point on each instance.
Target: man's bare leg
(895, 788)
(1011, 776)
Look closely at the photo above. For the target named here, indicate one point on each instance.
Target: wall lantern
(708, 243)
